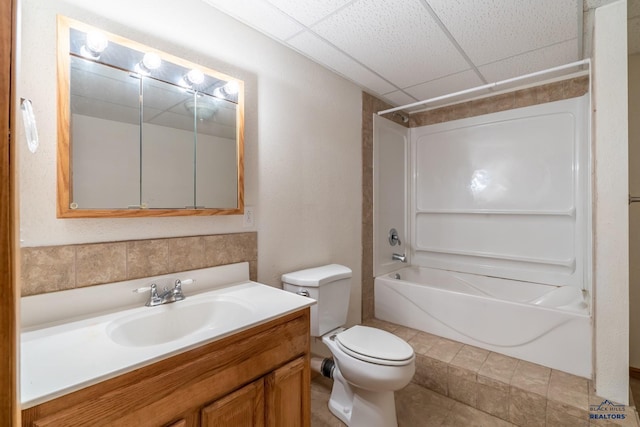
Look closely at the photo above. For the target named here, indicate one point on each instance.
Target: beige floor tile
(380, 324)
(405, 333)
(497, 370)
(462, 415)
(444, 350)
(422, 342)
(471, 358)
(418, 406)
(320, 414)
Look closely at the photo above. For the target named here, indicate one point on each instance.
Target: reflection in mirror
(143, 133)
(104, 107)
(168, 142)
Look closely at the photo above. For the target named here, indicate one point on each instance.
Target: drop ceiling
(409, 50)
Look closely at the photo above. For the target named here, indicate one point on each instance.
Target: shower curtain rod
(490, 85)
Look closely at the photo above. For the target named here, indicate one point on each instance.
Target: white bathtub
(543, 324)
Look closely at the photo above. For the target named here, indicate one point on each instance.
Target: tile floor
(461, 385)
(415, 405)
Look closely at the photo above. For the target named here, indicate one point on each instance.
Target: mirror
(143, 133)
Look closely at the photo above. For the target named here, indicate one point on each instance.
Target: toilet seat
(374, 346)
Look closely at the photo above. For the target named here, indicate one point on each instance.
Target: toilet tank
(330, 286)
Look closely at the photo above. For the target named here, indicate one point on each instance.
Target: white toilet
(369, 364)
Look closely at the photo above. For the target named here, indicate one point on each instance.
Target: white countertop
(65, 357)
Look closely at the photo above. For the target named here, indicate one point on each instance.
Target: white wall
(611, 215)
(302, 136)
(634, 211)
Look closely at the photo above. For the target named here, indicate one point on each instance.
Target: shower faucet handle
(394, 239)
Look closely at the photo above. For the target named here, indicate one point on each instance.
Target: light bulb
(195, 76)
(231, 88)
(96, 42)
(151, 61)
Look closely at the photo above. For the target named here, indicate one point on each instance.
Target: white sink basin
(67, 347)
(170, 322)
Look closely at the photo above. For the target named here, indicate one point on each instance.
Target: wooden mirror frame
(64, 164)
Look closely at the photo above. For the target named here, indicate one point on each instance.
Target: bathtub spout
(398, 257)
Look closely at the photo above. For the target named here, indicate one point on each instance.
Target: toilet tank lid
(318, 276)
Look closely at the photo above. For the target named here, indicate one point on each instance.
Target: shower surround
(552, 313)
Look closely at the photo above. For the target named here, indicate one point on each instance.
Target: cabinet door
(242, 408)
(288, 395)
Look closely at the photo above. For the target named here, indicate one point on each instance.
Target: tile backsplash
(56, 268)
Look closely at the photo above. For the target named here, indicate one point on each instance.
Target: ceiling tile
(399, 98)
(541, 59)
(445, 85)
(308, 12)
(259, 15)
(397, 39)
(490, 30)
(322, 52)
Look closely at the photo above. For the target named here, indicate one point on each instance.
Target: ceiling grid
(408, 50)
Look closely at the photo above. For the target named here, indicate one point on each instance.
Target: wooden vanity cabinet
(258, 377)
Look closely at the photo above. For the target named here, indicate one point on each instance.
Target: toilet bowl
(369, 364)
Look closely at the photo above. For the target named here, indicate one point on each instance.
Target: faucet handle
(154, 299)
(177, 288)
(143, 289)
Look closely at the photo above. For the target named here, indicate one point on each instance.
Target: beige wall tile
(525, 97)
(493, 401)
(526, 408)
(531, 377)
(47, 269)
(370, 106)
(569, 390)
(432, 374)
(186, 253)
(101, 263)
(576, 87)
(463, 373)
(462, 389)
(147, 258)
(550, 92)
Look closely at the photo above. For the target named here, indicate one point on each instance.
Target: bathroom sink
(169, 322)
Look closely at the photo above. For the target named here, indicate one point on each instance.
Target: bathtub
(547, 325)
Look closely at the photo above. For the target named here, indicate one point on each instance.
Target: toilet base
(359, 407)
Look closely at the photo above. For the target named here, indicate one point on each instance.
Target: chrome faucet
(398, 257)
(167, 296)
